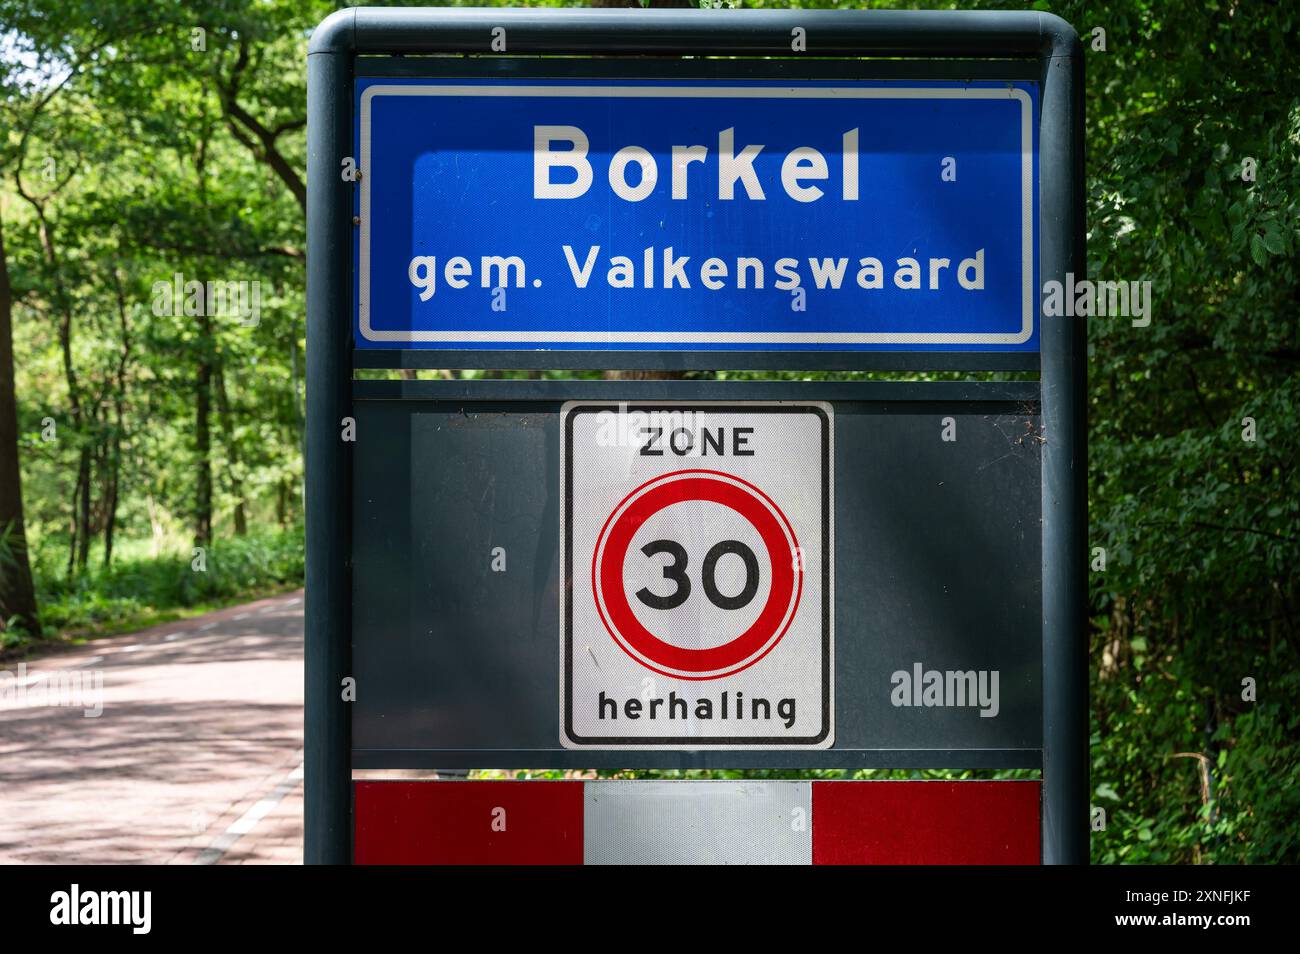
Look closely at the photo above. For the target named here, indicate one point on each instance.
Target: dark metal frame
(340, 49)
(995, 397)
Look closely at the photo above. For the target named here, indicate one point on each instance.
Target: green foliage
(144, 587)
(1201, 527)
(127, 157)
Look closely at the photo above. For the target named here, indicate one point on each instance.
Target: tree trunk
(17, 594)
(72, 529)
(299, 414)
(83, 508)
(282, 502)
(113, 483)
(156, 528)
(643, 375)
(79, 545)
(203, 436)
(232, 450)
(110, 497)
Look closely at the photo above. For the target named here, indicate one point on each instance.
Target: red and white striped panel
(696, 822)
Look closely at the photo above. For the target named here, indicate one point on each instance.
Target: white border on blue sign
(708, 337)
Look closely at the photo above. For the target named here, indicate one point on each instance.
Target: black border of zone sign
(788, 593)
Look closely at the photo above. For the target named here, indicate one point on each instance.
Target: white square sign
(697, 596)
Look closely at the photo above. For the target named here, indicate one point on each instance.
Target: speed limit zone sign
(697, 578)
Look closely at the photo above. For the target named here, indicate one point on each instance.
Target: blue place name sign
(696, 215)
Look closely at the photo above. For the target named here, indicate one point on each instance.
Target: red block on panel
(468, 823)
(925, 823)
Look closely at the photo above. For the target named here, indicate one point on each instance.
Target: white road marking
(245, 823)
(241, 616)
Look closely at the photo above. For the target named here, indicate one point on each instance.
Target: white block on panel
(697, 822)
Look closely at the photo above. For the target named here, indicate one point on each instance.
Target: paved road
(196, 757)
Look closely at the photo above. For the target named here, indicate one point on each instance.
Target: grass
(138, 591)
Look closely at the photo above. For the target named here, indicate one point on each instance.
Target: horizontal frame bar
(700, 360)
(517, 67)
(939, 392)
(799, 760)
(957, 34)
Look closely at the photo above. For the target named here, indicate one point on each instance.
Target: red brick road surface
(196, 757)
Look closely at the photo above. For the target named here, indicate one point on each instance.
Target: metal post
(1065, 517)
(327, 727)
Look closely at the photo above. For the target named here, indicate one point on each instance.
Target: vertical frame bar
(327, 728)
(1064, 816)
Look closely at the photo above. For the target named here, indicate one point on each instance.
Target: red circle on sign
(677, 661)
